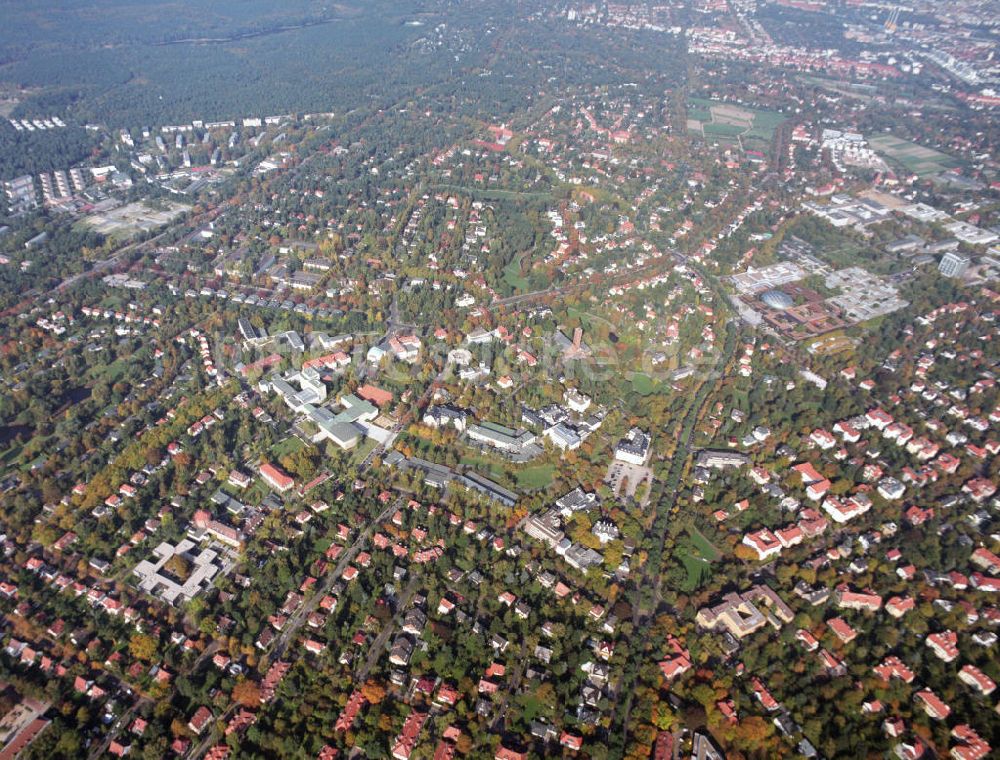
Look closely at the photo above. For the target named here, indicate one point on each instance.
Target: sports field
(726, 122)
(917, 159)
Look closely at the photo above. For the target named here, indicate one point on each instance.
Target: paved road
(123, 722)
(681, 455)
(117, 256)
(512, 687)
(377, 647)
(308, 607)
(299, 617)
(210, 739)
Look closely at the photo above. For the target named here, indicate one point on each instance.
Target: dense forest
(51, 150)
(131, 67)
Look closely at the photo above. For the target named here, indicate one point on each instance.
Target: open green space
(914, 158)
(11, 454)
(720, 121)
(723, 130)
(704, 546)
(363, 449)
(643, 383)
(703, 103)
(764, 124)
(112, 372)
(696, 554)
(289, 445)
(513, 277)
(536, 478)
(483, 465)
(698, 571)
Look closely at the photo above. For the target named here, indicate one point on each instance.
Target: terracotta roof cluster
(271, 680)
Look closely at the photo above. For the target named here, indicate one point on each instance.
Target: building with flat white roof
(563, 437)
(155, 579)
(953, 264)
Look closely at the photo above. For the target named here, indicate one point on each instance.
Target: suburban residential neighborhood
(585, 379)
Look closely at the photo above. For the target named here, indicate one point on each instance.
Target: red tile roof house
(808, 640)
(81, 684)
(816, 491)
(979, 489)
(958, 581)
(407, 739)
(853, 600)
(201, 718)
(808, 473)
(849, 434)
(842, 630)
(879, 419)
(831, 663)
(986, 560)
(664, 747)
(350, 711)
(728, 709)
(503, 753)
(571, 741)
(912, 748)
(240, 722)
(275, 478)
(893, 727)
(760, 691)
(981, 582)
(812, 523)
(932, 704)
(972, 747)
(488, 687)
(315, 647)
(947, 463)
(789, 536)
(447, 695)
(873, 707)
(675, 666)
(823, 438)
(944, 645)
(898, 606)
(180, 745)
(764, 542)
(977, 679)
(893, 667)
(445, 750)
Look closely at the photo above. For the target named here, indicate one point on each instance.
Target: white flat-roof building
(155, 580)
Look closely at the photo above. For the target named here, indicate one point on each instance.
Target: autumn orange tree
(373, 692)
(142, 647)
(246, 693)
